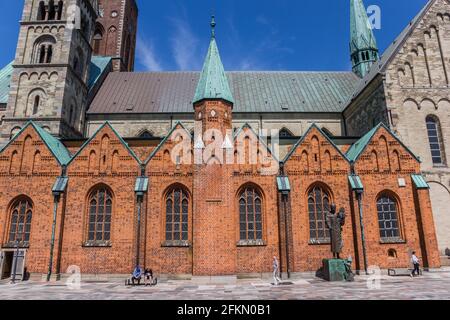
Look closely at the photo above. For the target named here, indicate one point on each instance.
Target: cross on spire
(213, 26)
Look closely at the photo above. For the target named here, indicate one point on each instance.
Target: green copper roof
(98, 66)
(302, 138)
(359, 146)
(213, 83)
(355, 182)
(419, 181)
(106, 124)
(56, 147)
(361, 39)
(361, 31)
(5, 79)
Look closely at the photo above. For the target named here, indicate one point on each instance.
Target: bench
(401, 272)
(129, 282)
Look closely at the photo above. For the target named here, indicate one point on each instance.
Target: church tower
(214, 247)
(213, 101)
(363, 46)
(115, 32)
(51, 68)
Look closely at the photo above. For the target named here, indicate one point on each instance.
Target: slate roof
(383, 63)
(173, 92)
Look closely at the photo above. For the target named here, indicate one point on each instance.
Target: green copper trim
(213, 83)
(363, 45)
(358, 148)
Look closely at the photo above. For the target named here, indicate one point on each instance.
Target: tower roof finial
(213, 26)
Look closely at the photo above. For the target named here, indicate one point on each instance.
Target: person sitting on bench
(148, 277)
(137, 275)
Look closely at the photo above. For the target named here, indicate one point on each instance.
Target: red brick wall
(84, 175)
(32, 181)
(163, 175)
(119, 33)
(213, 211)
(384, 177)
(305, 174)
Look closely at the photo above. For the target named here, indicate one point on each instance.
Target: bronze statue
(335, 221)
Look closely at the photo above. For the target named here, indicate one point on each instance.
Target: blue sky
(308, 35)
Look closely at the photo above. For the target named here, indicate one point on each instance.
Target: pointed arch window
(388, 218)
(250, 215)
(435, 140)
(100, 216)
(20, 225)
(97, 40)
(145, 135)
(285, 133)
(177, 215)
(318, 208)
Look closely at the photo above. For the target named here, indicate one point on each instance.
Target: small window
(41, 11)
(392, 253)
(36, 104)
(435, 140)
(145, 135)
(285, 133)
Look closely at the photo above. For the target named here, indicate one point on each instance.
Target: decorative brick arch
(16, 201)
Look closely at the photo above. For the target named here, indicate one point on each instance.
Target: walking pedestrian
(416, 263)
(276, 271)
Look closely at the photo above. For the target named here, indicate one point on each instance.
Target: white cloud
(147, 56)
(185, 46)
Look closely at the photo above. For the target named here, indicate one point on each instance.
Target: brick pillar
(214, 221)
(427, 232)
(285, 234)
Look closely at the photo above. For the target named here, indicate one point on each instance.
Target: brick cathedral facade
(192, 188)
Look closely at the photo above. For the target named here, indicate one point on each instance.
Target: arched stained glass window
(100, 214)
(177, 215)
(318, 208)
(388, 218)
(20, 226)
(250, 215)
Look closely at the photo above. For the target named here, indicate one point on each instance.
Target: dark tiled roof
(173, 92)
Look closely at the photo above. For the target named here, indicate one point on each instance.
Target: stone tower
(363, 46)
(213, 105)
(115, 32)
(51, 67)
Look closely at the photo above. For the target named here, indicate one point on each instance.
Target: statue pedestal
(334, 270)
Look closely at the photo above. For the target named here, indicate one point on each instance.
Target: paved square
(434, 285)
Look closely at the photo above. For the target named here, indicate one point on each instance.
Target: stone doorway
(7, 261)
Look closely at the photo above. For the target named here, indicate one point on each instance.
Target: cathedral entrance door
(8, 264)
